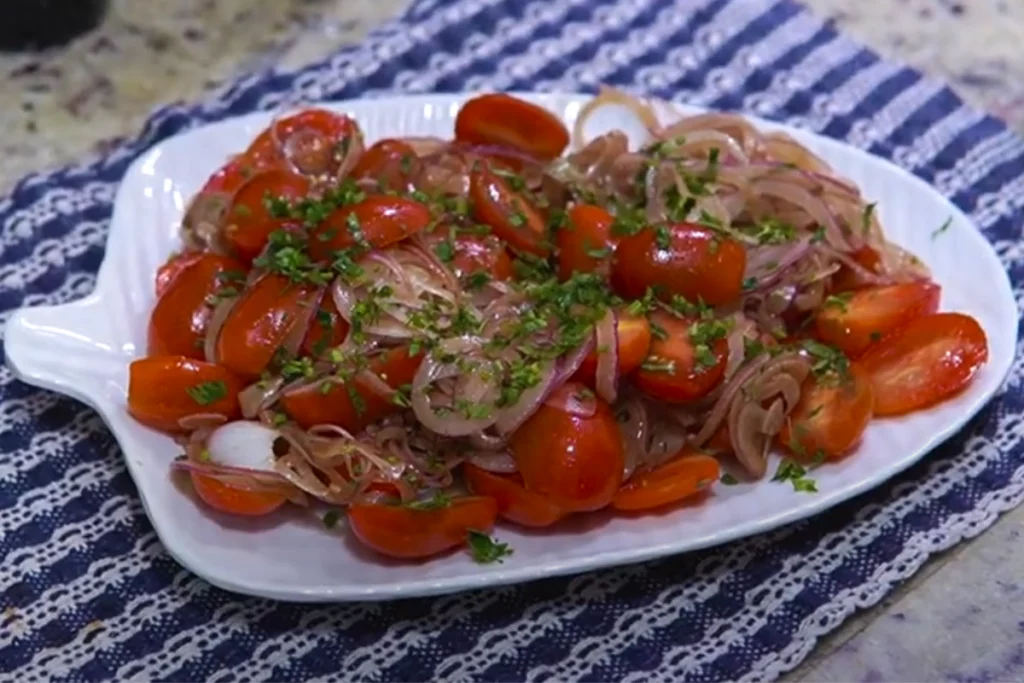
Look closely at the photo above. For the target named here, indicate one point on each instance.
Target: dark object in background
(35, 24)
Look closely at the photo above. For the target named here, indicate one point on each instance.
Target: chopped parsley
(729, 480)
(828, 363)
(331, 518)
(772, 231)
(445, 251)
(208, 392)
(477, 280)
(796, 474)
(658, 364)
(865, 219)
(839, 301)
(440, 499)
(485, 549)
(942, 228)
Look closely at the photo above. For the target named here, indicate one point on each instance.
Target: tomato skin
(515, 503)
(698, 264)
(177, 325)
(231, 176)
(384, 220)
(173, 267)
(634, 341)
(687, 474)
(392, 163)
(589, 230)
(500, 119)
(249, 223)
(926, 361)
(687, 381)
(830, 418)
(846, 280)
(235, 501)
(472, 253)
(511, 215)
(871, 313)
(331, 127)
(158, 391)
(310, 406)
(410, 533)
(260, 322)
(327, 329)
(575, 462)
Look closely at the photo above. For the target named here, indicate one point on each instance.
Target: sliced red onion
(570, 399)
(607, 375)
(259, 396)
(372, 381)
(500, 462)
(517, 413)
(201, 421)
(498, 150)
(432, 370)
(814, 206)
(213, 469)
(572, 361)
(300, 326)
(220, 313)
(486, 441)
(768, 264)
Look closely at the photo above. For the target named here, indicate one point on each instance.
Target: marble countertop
(957, 619)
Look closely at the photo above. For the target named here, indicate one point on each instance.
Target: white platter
(83, 350)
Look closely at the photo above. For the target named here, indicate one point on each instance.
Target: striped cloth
(87, 592)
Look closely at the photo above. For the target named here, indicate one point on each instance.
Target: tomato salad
(428, 335)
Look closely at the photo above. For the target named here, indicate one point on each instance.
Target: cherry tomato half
(235, 501)
(574, 461)
(510, 214)
(411, 533)
(688, 473)
(175, 265)
(685, 259)
(164, 389)
(585, 244)
(315, 140)
(468, 254)
(925, 362)
(312, 405)
(830, 417)
(853, 322)
(379, 220)
(326, 330)
(678, 368)
(391, 163)
(177, 325)
(260, 322)
(515, 503)
(500, 119)
(633, 340)
(248, 221)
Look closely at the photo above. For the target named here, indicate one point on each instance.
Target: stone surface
(957, 619)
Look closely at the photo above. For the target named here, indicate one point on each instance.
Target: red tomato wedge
(379, 221)
(684, 259)
(925, 362)
(312, 405)
(585, 244)
(510, 214)
(679, 368)
(573, 461)
(265, 315)
(411, 533)
(163, 390)
(688, 474)
(500, 119)
(633, 337)
(855, 321)
(235, 501)
(248, 221)
(515, 503)
(177, 325)
(831, 416)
